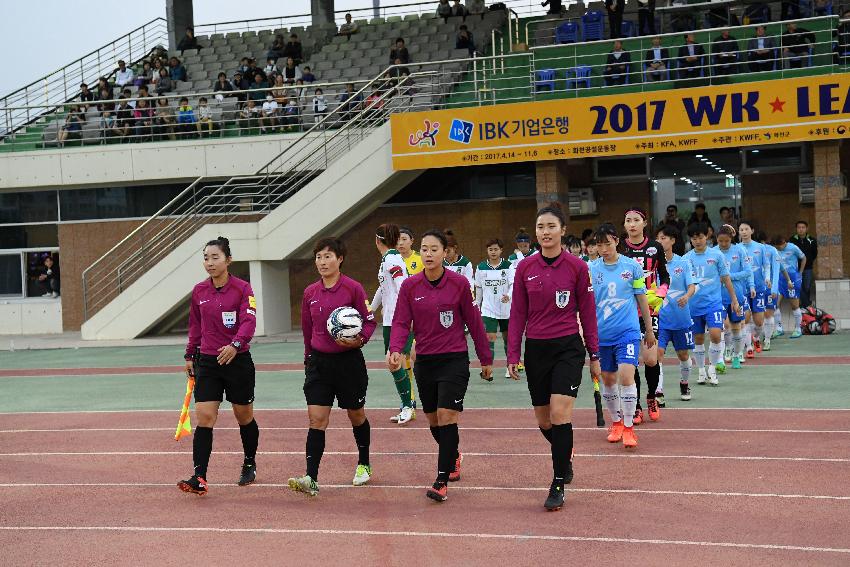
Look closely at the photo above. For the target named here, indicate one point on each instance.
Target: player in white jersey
(523, 248)
(391, 274)
(457, 262)
(494, 280)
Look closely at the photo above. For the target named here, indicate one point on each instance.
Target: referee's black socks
(250, 434)
(201, 449)
(435, 433)
(449, 441)
(562, 450)
(362, 436)
(547, 433)
(315, 449)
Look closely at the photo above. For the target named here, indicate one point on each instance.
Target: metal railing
(30, 102)
(248, 198)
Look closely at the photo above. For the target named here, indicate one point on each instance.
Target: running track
(705, 487)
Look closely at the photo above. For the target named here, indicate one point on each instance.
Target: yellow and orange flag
(184, 426)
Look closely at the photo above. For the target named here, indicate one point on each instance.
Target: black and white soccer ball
(344, 323)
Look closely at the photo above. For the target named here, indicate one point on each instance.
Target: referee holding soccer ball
(334, 365)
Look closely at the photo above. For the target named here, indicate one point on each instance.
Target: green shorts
(407, 346)
(494, 325)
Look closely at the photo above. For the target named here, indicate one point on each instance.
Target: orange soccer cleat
(615, 432)
(638, 418)
(454, 476)
(629, 438)
(653, 409)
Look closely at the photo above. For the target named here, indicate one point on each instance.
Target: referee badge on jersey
(228, 318)
(562, 298)
(447, 318)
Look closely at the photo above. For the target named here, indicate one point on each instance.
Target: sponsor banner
(733, 115)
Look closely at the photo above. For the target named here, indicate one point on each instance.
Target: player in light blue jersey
(760, 264)
(618, 282)
(674, 317)
(771, 303)
(710, 273)
(742, 281)
(793, 262)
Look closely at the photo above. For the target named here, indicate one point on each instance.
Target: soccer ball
(814, 328)
(344, 323)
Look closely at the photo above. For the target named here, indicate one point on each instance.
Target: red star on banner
(777, 105)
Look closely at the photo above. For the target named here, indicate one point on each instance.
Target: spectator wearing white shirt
(268, 114)
(291, 72)
(124, 75)
(320, 105)
(205, 119)
(760, 51)
(348, 27)
(657, 61)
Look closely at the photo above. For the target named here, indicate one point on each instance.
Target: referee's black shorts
(442, 380)
(553, 366)
(235, 380)
(338, 375)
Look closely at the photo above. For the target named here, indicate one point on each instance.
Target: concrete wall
(140, 163)
(80, 244)
(31, 317)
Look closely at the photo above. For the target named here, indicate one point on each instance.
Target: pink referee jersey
(317, 305)
(217, 317)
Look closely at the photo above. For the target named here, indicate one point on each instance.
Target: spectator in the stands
(124, 118)
(458, 9)
(269, 114)
(279, 92)
(178, 71)
(157, 67)
(143, 92)
(244, 65)
(73, 127)
(271, 69)
(350, 101)
(205, 118)
(164, 119)
(291, 72)
(254, 69)
(294, 49)
(222, 85)
(822, 8)
(465, 40)
(320, 105)
(123, 75)
(258, 88)
(646, 17)
(615, 17)
(145, 75)
(185, 118)
(790, 10)
(144, 116)
(760, 51)
(103, 84)
(444, 9)
(617, 65)
(307, 75)
(796, 42)
(276, 50)
(85, 94)
(107, 125)
(395, 74)
(699, 216)
(348, 28)
(725, 51)
(189, 41)
(241, 83)
(128, 94)
(399, 52)
(248, 115)
(690, 58)
(374, 103)
(104, 96)
(164, 85)
(48, 277)
(657, 61)
(290, 115)
(475, 7)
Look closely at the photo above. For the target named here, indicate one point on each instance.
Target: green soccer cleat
(796, 334)
(304, 484)
(736, 362)
(362, 475)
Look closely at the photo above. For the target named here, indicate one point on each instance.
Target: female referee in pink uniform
(222, 319)
(551, 291)
(438, 304)
(333, 368)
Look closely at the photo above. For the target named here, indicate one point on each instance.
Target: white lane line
(420, 429)
(455, 535)
(454, 487)
(429, 453)
(466, 410)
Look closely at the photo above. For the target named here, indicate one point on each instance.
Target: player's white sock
(748, 335)
(737, 342)
(769, 326)
(699, 355)
(715, 353)
(758, 331)
(628, 395)
(660, 377)
(727, 338)
(798, 318)
(611, 395)
(685, 369)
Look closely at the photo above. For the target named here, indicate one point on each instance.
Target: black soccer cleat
(195, 485)
(248, 474)
(555, 500)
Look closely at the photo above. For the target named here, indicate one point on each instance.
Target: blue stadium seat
(592, 26)
(576, 75)
(567, 33)
(545, 79)
(628, 29)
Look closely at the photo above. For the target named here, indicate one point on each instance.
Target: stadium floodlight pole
(376, 8)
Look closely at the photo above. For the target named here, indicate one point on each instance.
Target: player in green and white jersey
(456, 261)
(494, 280)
